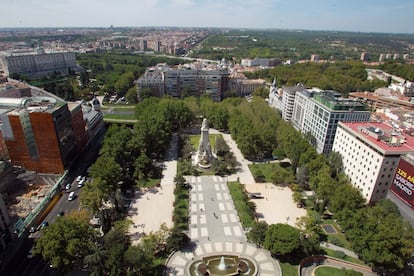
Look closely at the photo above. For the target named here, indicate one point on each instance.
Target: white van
(71, 196)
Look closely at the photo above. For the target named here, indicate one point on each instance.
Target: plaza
(214, 225)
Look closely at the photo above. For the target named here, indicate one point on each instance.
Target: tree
(95, 261)
(67, 241)
(138, 259)
(258, 232)
(335, 162)
(92, 196)
(131, 95)
(282, 239)
(281, 175)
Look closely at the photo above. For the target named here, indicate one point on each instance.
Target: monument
(204, 155)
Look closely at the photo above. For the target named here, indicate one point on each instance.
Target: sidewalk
(243, 173)
(154, 207)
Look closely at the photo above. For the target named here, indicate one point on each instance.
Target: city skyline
(382, 16)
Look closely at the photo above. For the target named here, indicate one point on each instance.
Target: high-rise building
(288, 100)
(41, 133)
(371, 153)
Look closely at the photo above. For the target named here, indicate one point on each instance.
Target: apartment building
(288, 100)
(371, 152)
(184, 81)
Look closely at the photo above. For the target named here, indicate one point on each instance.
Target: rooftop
(384, 137)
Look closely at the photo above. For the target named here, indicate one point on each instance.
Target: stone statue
(204, 148)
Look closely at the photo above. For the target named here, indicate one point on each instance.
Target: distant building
(381, 58)
(314, 58)
(184, 81)
(245, 87)
(376, 101)
(37, 64)
(371, 153)
(396, 56)
(406, 57)
(264, 62)
(364, 56)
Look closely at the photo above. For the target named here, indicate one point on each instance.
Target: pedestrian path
(338, 248)
(180, 262)
(212, 212)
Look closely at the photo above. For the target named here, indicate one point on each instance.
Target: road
(20, 264)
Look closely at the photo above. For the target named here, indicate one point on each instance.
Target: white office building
(318, 113)
(370, 155)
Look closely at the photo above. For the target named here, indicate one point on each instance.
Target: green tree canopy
(67, 241)
(282, 239)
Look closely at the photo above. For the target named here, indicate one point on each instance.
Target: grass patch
(328, 271)
(265, 170)
(245, 208)
(289, 269)
(149, 183)
(125, 106)
(120, 116)
(195, 140)
(347, 258)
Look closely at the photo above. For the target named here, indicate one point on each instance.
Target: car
(32, 229)
(79, 178)
(60, 214)
(45, 224)
(71, 196)
(81, 183)
(68, 186)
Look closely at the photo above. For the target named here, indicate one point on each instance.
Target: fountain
(222, 264)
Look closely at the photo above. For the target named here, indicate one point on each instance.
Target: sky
(384, 16)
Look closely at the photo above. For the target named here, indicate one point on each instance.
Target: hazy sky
(343, 15)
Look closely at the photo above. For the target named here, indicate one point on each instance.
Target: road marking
(227, 231)
(224, 218)
(221, 206)
(204, 231)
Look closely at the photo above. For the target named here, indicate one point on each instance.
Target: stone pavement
(180, 262)
(212, 213)
(151, 208)
(215, 229)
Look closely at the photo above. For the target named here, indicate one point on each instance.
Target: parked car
(45, 224)
(60, 214)
(79, 178)
(30, 253)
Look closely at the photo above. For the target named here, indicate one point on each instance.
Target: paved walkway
(215, 228)
(180, 262)
(243, 173)
(338, 248)
(151, 208)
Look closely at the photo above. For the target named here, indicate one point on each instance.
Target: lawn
(331, 253)
(120, 116)
(243, 206)
(263, 169)
(195, 140)
(328, 271)
(289, 269)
